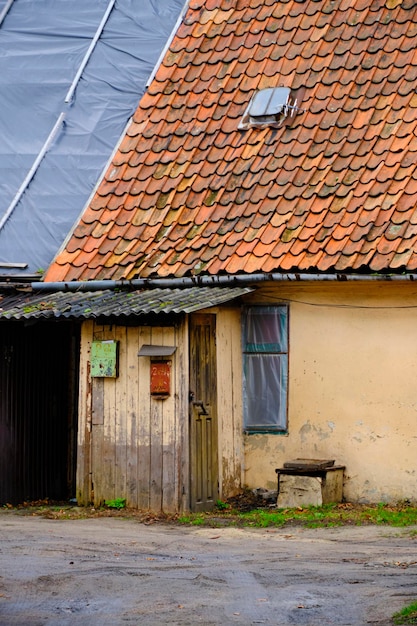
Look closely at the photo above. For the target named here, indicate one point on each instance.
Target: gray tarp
(42, 45)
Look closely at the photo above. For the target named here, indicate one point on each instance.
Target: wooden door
(204, 478)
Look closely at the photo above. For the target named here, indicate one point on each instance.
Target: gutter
(196, 281)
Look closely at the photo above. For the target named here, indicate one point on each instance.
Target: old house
(245, 270)
(71, 76)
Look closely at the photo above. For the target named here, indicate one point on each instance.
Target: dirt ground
(115, 571)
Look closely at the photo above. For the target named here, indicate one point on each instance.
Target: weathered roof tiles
(333, 188)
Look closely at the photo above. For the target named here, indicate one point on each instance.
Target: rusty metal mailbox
(160, 378)
(160, 369)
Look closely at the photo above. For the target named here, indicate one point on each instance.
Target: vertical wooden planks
(169, 484)
(106, 469)
(236, 384)
(120, 414)
(97, 427)
(182, 408)
(97, 412)
(138, 440)
(204, 457)
(132, 416)
(156, 435)
(84, 416)
(144, 425)
(229, 400)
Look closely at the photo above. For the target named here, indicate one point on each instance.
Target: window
(267, 107)
(270, 107)
(265, 368)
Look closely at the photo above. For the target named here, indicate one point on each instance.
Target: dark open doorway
(38, 410)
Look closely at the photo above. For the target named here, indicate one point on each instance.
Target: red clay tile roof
(334, 189)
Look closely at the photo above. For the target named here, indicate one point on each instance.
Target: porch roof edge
(108, 303)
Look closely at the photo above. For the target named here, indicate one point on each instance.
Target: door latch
(199, 403)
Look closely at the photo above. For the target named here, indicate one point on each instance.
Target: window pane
(266, 329)
(265, 384)
(269, 102)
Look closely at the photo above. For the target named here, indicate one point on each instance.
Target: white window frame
(267, 107)
(265, 369)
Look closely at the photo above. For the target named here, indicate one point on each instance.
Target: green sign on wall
(104, 361)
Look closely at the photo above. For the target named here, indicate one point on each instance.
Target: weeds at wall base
(326, 516)
(225, 514)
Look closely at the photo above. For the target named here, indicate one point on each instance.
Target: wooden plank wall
(84, 495)
(229, 394)
(131, 445)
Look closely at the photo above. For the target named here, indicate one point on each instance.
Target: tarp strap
(5, 11)
(89, 52)
(33, 169)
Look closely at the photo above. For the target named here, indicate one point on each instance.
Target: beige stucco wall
(352, 387)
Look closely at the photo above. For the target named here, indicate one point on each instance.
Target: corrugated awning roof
(110, 303)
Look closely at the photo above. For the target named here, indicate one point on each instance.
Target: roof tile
(332, 189)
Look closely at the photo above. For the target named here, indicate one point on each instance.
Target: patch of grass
(407, 615)
(194, 519)
(328, 515)
(221, 505)
(240, 513)
(118, 503)
(262, 518)
(385, 514)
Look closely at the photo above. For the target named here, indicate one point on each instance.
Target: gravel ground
(113, 571)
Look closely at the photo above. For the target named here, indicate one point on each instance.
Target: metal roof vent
(269, 107)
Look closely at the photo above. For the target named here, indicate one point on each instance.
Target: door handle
(200, 404)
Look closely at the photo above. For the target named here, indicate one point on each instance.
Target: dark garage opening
(38, 410)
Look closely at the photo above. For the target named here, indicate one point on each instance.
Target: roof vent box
(269, 107)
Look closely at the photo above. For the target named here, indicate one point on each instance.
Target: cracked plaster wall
(352, 387)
